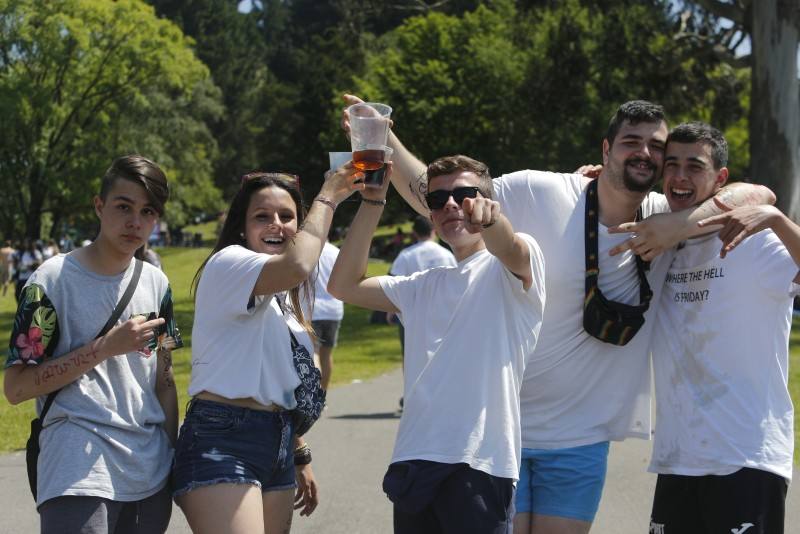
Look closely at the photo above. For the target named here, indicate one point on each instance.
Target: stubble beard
(624, 178)
(637, 186)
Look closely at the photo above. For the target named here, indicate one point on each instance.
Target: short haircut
(459, 163)
(422, 226)
(634, 111)
(140, 170)
(700, 132)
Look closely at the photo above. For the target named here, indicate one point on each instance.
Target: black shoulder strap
(121, 305)
(591, 229)
(126, 298)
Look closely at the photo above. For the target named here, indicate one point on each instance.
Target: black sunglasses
(437, 199)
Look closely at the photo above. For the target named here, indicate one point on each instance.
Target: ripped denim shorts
(219, 443)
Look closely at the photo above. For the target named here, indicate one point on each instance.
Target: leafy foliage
(79, 79)
(535, 88)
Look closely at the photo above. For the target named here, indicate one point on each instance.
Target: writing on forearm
(66, 364)
(419, 187)
(166, 356)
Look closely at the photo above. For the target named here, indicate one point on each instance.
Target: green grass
(364, 350)
(207, 229)
(391, 229)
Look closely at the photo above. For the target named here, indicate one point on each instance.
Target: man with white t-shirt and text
(724, 436)
(471, 328)
(588, 382)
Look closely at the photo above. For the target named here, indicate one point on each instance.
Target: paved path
(352, 445)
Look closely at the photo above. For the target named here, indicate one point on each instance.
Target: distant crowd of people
(528, 347)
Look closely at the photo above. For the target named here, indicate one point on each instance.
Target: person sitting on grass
(470, 329)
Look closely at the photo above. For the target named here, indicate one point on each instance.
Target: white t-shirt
(326, 308)
(579, 390)
(469, 330)
(421, 256)
(240, 351)
(720, 355)
(28, 262)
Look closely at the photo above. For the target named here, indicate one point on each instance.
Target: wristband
(371, 202)
(328, 202)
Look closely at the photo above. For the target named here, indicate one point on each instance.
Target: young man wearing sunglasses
(588, 382)
(724, 422)
(469, 330)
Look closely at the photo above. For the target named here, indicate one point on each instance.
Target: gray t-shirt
(103, 435)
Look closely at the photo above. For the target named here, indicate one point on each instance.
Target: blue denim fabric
(219, 443)
(563, 482)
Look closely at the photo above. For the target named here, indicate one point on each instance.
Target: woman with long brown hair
(235, 469)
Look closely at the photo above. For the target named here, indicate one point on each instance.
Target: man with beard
(588, 381)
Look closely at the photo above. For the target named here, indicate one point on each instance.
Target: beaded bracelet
(372, 202)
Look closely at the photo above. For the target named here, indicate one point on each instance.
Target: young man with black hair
(581, 389)
(724, 422)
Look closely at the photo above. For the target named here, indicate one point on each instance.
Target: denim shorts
(220, 443)
(562, 482)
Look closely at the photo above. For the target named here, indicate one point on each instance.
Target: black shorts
(327, 332)
(749, 501)
(437, 498)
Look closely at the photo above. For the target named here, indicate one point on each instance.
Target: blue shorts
(562, 482)
(220, 443)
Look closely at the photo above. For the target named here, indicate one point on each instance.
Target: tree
(535, 88)
(71, 73)
(774, 30)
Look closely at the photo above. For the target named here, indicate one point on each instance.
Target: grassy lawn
(364, 350)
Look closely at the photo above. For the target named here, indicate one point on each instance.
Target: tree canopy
(211, 92)
(81, 82)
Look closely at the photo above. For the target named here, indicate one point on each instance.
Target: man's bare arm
(483, 215)
(23, 382)
(167, 393)
(663, 231)
(748, 220)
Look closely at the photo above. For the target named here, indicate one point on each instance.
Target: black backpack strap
(121, 305)
(123, 302)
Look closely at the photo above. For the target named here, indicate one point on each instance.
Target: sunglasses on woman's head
(292, 180)
(436, 200)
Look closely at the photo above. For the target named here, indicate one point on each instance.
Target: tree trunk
(33, 215)
(775, 102)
